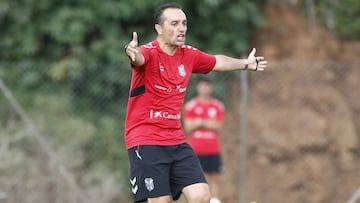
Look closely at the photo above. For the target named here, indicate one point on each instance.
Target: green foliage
(222, 26)
(341, 16)
(74, 48)
(99, 137)
(62, 40)
(347, 22)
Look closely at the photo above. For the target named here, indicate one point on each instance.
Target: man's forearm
(226, 63)
(212, 125)
(138, 60)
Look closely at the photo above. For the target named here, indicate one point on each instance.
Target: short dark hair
(160, 10)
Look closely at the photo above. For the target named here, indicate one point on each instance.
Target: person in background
(203, 119)
(162, 164)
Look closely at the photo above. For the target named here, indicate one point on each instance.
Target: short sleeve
(146, 53)
(204, 63)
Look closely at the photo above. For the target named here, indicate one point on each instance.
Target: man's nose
(183, 28)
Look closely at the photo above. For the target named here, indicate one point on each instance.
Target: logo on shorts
(149, 183)
(134, 187)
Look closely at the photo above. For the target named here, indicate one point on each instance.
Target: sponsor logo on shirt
(169, 89)
(164, 115)
(204, 134)
(180, 89)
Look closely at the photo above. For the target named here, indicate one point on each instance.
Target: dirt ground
(303, 144)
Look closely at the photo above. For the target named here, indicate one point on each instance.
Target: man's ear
(158, 28)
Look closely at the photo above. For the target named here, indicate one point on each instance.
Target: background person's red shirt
(205, 141)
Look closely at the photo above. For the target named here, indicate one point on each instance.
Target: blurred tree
(340, 17)
(71, 41)
(76, 48)
(347, 22)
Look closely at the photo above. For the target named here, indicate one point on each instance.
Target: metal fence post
(243, 136)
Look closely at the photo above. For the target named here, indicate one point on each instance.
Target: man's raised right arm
(133, 52)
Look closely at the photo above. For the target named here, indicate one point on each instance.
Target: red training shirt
(157, 92)
(205, 141)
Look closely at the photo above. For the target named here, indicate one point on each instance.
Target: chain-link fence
(62, 141)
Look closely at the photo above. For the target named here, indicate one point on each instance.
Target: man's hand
(131, 49)
(256, 63)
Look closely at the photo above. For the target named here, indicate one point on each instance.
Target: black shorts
(163, 170)
(211, 163)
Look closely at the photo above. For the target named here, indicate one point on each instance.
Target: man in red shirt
(162, 165)
(203, 119)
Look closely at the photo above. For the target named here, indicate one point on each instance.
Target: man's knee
(200, 197)
(197, 193)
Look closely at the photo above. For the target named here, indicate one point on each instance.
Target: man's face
(204, 89)
(173, 26)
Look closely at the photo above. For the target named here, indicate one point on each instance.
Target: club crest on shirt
(181, 70)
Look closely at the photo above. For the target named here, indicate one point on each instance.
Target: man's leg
(149, 174)
(162, 199)
(212, 167)
(187, 176)
(213, 180)
(197, 193)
